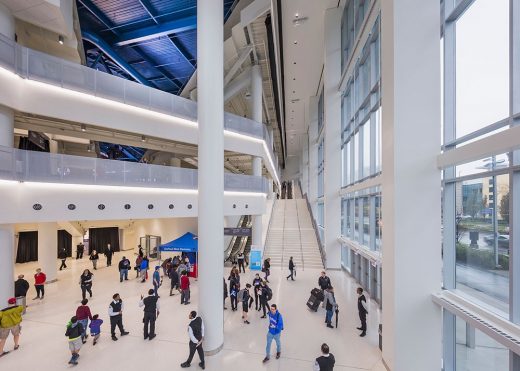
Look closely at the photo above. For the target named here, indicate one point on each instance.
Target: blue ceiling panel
(157, 38)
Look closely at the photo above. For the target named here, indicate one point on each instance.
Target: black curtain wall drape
(99, 238)
(64, 240)
(27, 250)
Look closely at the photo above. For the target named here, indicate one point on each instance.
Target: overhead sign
(243, 232)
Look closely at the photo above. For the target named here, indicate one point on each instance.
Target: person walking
(39, 284)
(225, 292)
(94, 257)
(10, 319)
(185, 288)
(62, 254)
(115, 311)
(326, 361)
(324, 281)
(274, 333)
(234, 286)
(74, 331)
(144, 269)
(267, 268)
(266, 294)
(151, 312)
(330, 305)
(363, 311)
(85, 282)
(141, 252)
(291, 269)
(196, 334)
(137, 267)
(109, 253)
(79, 250)
(123, 266)
(95, 328)
(83, 315)
(246, 300)
(241, 259)
(174, 279)
(156, 277)
(21, 286)
(257, 281)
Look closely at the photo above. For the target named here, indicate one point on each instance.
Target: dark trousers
(79, 254)
(109, 261)
(363, 319)
(185, 296)
(264, 305)
(149, 323)
(291, 276)
(257, 298)
(241, 266)
(267, 273)
(84, 289)
(40, 290)
(116, 321)
(193, 348)
(63, 265)
(234, 302)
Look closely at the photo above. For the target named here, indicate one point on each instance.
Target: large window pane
(357, 210)
(366, 149)
(379, 223)
(356, 158)
(482, 65)
(378, 141)
(366, 221)
(475, 351)
(482, 236)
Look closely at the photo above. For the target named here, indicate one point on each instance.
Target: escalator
(236, 244)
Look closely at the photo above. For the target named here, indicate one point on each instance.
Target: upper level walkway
(44, 85)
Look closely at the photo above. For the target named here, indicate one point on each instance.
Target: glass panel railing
(31, 166)
(34, 65)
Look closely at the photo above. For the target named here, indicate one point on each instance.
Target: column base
(210, 353)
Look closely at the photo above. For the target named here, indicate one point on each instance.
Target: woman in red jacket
(39, 283)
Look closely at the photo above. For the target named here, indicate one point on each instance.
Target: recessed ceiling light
(294, 78)
(293, 62)
(61, 39)
(295, 42)
(83, 128)
(294, 91)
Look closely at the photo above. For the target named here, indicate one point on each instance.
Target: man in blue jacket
(275, 330)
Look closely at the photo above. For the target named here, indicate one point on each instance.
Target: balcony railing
(33, 65)
(30, 166)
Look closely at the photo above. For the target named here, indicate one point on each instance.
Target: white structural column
(210, 94)
(411, 184)
(6, 263)
(48, 250)
(256, 115)
(7, 28)
(313, 153)
(332, 174)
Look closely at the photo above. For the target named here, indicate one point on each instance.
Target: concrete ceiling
(303, 63)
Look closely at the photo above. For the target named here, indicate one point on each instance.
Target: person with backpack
(245, 298)
(326, 361)
(95, 328)
(73, 332)
(10, 319)
(123, 266)
(267, 269)
(256, 289)
(291, 269)
(225, 292)
(265, 296)
(83, 315)
(274, 332)
(330, 305)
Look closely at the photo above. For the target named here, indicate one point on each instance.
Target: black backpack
(269, 293)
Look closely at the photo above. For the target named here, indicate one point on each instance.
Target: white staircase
(291, 234)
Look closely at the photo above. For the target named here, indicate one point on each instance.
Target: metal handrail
(315, 227)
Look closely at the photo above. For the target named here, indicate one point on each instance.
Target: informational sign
(37, 139)
(243, 232)
(255, 259)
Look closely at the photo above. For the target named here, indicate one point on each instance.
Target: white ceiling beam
(253, 11)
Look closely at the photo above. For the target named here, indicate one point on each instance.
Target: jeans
(270, 338)
(156, 289)
(185, 296)
(123, 273)
(84, 289)
(84, 323)
(40, 290)
(328, 316)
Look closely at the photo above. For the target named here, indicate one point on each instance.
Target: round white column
(6, 263)
(210, 96)
(256, 97)
(48, 250)
(7, 25)
(6, 127)
(257, 219)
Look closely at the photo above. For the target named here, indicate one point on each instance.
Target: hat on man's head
(11, 301)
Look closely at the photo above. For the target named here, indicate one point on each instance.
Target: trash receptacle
(380, 336)
(20, 300)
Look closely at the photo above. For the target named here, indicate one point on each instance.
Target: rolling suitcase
(317, 293)
(313, 303)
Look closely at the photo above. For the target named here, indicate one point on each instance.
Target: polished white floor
(43, 345)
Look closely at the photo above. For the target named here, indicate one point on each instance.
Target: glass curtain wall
(478, 101)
